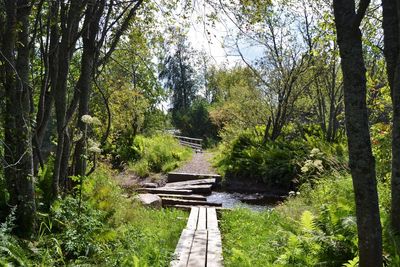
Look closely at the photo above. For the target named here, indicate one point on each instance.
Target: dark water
(236, 200)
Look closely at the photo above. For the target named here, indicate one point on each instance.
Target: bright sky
(215, 40)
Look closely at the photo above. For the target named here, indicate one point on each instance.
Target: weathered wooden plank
(212, 221)
(188, 208)
(214, 249)
(198, 253)
(193, 219)
(163, 190)
(202, 222)
(192, 182)
(179, 176)
(197, 189)
(182, 251)
(177, 201)
(190, 197)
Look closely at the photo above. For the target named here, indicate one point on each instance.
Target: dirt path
(198, 164)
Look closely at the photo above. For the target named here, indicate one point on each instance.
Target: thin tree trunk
(391, 15)
(362, 162)
(59, 91)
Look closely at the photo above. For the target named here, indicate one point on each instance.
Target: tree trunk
(59, 91)
(391, 15)
(17, 124)
(362, 162)
(92, 18)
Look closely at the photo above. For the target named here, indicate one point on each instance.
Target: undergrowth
(316, 228)
(159, 153)
(285, 162)
(107, 230)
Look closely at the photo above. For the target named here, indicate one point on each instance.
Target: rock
(150, 200)
(150, 185)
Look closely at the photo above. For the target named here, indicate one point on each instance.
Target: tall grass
(316, 228)
(159, 153)
(108, 230)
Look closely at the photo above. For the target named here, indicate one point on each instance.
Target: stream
(240, 200)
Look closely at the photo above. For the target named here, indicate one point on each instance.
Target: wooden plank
(193, 218)
(163, 190)
(177, 201)
(192, 182)
(188, 208)
(180, 176)
(212, 221)
(214, 249)
(190, 197)
(202, 222)
(198, 253)
(167, 201)
(182, 251)
(197, 189)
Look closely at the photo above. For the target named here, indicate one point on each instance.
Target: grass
(108, 230)
(316, 228)
(159, 153)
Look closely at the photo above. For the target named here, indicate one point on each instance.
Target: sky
(215, 40)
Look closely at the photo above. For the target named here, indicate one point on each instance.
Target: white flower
(315, 151)
(86, 119)
(90, 120)
(304, 169)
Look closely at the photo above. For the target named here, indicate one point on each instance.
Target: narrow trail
(199, 164)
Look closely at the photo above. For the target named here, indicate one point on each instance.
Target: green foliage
(195, 121)
(12, 253)
(108, 230)
(159, 153)
(304, 231)
(43, 188)
(381, 138)
(284, 162)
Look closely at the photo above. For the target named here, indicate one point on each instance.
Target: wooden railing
(194, 143)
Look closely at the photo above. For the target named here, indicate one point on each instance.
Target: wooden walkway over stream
(200, 242)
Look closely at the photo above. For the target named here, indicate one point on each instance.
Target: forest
(295, 100)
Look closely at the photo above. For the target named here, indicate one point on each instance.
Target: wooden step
(178, 201)
(188, 208)
(180, 177)
(190, 197)
(163, 190)
(192, 182)
(197, 189)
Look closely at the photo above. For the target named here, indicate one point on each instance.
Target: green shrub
(284, 162)
(159, 153)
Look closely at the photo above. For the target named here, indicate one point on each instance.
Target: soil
(199, 164)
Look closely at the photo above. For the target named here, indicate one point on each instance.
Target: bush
(160, 153)
(285, 162)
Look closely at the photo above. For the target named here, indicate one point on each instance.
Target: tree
(362, 162)
(179, 74)
(391, 18)
(15, 51)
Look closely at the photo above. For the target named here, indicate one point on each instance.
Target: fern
(307, 221)
(352, 263)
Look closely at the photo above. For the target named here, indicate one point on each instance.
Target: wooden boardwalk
(200, 243)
